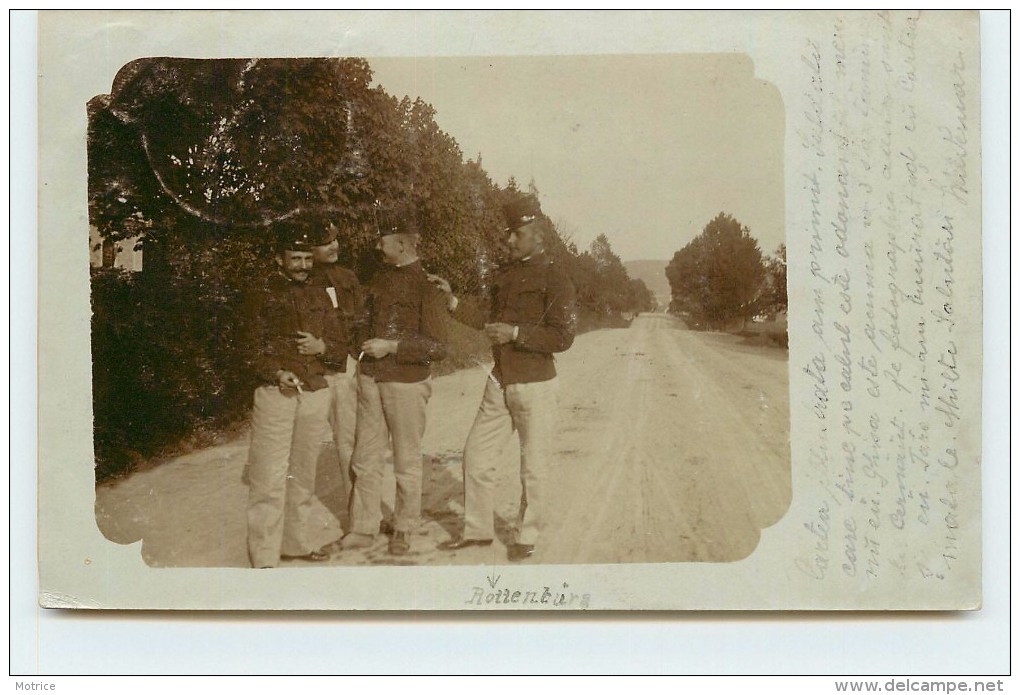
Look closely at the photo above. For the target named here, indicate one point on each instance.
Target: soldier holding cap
(344, 292)
(402, 331)
(530, 316)
(295, 336)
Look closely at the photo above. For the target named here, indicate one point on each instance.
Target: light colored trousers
(342, 418)
(287, 433)
(397, 410)
(530, 409)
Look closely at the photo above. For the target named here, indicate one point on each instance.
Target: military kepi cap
(322, 233)
(399, 220)
(294, 234)
(302, 231)
(520, 212)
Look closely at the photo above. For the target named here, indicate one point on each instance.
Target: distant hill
(653, 274)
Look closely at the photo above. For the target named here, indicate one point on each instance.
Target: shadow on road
(443, 493)
(330, 485)
(727, 342)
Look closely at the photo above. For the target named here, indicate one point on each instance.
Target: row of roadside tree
(722, 280)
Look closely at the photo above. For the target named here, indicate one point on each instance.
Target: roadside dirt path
(672, 446)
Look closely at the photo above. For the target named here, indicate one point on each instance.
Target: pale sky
(645, 149)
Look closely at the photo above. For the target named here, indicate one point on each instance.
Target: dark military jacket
(402, 305)
(536, 296)
(272, 316)
(349, 299)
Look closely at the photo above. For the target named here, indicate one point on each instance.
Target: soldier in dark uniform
(402, 331)
(530, 316)
(295, 337)
(344, 291)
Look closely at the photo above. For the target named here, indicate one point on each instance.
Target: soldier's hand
(440, 282)
(308, 344)
(379, 347)
(499, 333)
(287, 380)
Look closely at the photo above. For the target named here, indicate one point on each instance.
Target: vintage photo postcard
(387, 311)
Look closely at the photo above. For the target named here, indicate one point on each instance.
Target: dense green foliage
(197, 158)
(721, 277)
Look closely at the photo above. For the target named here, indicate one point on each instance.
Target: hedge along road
(672, 445)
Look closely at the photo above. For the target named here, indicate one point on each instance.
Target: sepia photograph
(410, 311)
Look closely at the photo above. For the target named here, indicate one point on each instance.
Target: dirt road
(672, 446)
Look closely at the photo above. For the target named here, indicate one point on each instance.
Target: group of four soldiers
(322, 343)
